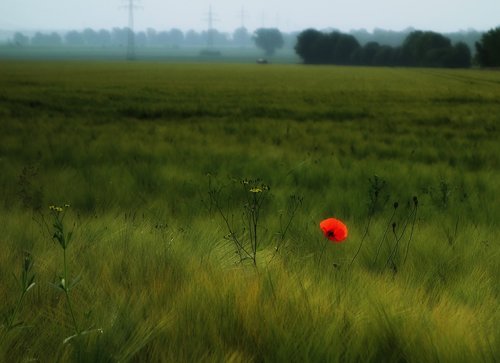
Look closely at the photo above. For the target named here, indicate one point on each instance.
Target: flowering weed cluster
(66, 285)
(246, 239)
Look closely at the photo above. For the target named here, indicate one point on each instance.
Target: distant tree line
(359, 47)
(240, 37)
(118, 37)
(396, 38)
(419, 49)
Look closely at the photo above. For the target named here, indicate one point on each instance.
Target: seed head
(28, 262)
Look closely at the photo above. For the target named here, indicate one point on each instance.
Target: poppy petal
(334, 229)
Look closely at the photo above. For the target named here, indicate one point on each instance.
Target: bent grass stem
(66, 292)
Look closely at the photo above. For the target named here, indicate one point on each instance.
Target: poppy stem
(322, 253)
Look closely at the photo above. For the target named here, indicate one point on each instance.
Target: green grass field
(164, 54)
(148, 154)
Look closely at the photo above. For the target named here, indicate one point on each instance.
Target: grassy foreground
(149, 154)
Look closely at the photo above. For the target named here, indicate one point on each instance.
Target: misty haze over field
(441, 15)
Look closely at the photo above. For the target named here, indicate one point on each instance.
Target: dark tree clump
(488, 49)
(420, 49)
(307, 46)
(315, 47)
(268, 39)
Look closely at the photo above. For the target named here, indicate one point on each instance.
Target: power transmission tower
(210, 35)
(131, 6)
(242, 31)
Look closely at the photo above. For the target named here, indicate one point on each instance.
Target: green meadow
(166, 255)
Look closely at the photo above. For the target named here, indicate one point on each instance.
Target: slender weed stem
(66, 292)
(26, 282)
(396, 204)
(362, 240)
(415, 203)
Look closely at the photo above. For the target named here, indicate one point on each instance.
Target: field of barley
(155, 212)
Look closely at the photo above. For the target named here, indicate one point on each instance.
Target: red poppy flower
(334, 230)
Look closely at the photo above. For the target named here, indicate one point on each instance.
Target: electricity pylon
(210, 35)
(131, 6)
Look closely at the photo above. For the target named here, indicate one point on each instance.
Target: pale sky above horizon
(437, 15)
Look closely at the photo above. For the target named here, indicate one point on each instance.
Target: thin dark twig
(392, 253)
(398, 239)
(362, 240)
(391, 259)
(384, 236)
(411, 232)
(232, 234)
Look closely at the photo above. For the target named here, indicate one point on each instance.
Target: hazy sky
(438, 15)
